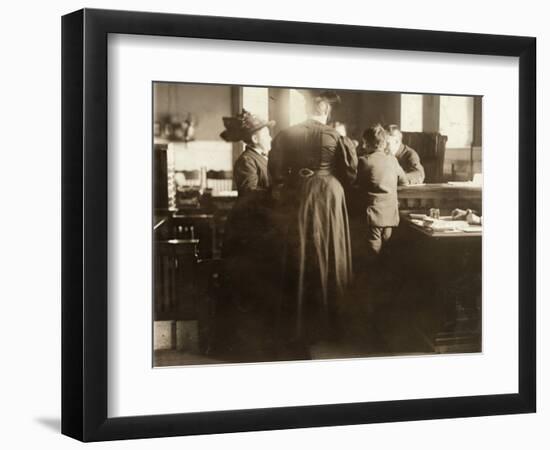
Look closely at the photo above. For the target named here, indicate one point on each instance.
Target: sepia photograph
(294, 223)
(274, 224)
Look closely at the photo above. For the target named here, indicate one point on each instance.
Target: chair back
(431, 150)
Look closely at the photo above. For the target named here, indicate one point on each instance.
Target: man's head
(395, 139)
(375, 138)
(320, 105)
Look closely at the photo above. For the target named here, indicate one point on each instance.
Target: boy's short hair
(375, 137)
(393, 130)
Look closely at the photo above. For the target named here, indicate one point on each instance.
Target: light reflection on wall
(256, 100)
(297, 107)
(411, 112)
(457, 120)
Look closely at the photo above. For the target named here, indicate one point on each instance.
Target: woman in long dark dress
(309, 163)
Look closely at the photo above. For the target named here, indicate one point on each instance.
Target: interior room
(423, 297)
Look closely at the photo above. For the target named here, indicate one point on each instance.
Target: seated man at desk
(408, 158)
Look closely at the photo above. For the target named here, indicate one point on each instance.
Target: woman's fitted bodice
(311, 146)
(316, 147)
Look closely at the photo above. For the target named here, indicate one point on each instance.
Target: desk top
(454, 185)
(463, 231)
(414, 190)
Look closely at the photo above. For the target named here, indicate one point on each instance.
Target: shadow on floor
(52, 423)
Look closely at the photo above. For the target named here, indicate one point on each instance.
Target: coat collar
(256, 152)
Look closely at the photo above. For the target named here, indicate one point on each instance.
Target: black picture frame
(84, 224)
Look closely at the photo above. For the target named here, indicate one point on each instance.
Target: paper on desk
(473, 229)
(446, 225)
(476, 182)
(226, 194)
(461, 183)
(449, 225)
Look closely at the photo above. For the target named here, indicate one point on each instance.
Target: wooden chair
(175, 287)
(431, 150)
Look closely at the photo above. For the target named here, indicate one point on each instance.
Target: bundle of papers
(444, 224)
(448, 225)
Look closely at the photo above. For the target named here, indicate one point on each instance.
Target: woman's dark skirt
(317, 264)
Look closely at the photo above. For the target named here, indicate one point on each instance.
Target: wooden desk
(440, 195)
(442, 275)
(197, 225)
(174, 283)
(439, 234)
(465, 188)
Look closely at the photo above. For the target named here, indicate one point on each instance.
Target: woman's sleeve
(346, 161)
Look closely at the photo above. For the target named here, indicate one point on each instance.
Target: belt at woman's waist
(306, 172)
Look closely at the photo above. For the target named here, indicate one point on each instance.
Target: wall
(30, 332)
(380, 107)
(208, 103)
(458, 166)
(370, 108)
(349, 112)
(359, 110)
(430, 113)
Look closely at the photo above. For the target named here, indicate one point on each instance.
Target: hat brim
(269, 124)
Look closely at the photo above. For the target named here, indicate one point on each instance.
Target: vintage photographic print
(305, 224)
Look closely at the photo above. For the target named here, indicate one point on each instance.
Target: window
(297, 107)
(256, 100)
(456, 120)
(411, 112)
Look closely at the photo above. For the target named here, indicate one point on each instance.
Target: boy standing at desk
(378, 175)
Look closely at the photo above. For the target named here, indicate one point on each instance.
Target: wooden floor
(380, 330)
(397, 309)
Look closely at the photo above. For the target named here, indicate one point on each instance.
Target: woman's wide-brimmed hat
(241, 127)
